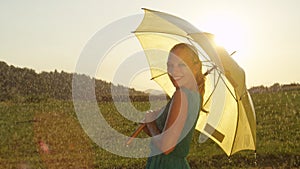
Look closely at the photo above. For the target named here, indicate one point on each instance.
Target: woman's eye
(181, 65)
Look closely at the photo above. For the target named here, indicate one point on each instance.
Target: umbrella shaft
(136, 133)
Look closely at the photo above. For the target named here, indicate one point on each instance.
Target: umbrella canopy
(230, 120)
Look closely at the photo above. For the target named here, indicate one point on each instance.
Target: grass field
(26, 129)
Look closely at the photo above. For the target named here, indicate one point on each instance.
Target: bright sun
(230, 42)
(229, 32)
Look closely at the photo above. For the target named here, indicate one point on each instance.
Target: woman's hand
(150, 116)
(152, 128)
(149, 120)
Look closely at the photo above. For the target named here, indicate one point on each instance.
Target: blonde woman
(172, 128)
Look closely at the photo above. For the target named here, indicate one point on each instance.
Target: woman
(172, 128)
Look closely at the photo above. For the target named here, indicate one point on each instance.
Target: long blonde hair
(194, 63)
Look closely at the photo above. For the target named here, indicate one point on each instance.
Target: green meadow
(25, 126)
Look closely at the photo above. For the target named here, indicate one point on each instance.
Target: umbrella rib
(141, 32)
(242, 95)
(212, 91)
(229, 90)
(206, 73)
(158, 75)
(235, 133)
(210, 70)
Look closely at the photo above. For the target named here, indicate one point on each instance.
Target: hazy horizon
(152, 90)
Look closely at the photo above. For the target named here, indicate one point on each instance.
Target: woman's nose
(175, 70)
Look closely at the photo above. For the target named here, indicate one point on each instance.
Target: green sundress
(177, 158)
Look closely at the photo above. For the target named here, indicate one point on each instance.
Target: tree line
(25, 85)
(276, 87)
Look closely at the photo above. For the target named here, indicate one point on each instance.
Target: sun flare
(230, 42)
(228, 32)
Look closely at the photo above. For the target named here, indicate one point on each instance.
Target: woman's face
(179, 72)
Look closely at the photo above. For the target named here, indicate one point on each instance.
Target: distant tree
(275, 87)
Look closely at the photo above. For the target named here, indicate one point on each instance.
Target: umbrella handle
(136, 133)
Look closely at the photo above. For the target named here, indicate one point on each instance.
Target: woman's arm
(177, 115)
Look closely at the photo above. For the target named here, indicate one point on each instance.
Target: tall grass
(24, 127)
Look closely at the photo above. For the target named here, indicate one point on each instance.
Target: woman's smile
(177, 78)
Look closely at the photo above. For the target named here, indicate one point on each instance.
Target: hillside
(25, 85)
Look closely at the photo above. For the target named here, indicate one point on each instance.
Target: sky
(48, 35)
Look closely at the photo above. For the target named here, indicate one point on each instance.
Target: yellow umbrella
(230, 120)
